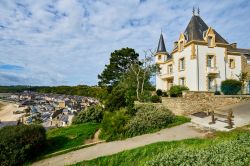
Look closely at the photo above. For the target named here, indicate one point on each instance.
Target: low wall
(200, 101)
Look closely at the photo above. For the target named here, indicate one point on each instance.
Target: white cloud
(69, 41)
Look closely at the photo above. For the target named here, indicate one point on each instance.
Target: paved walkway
(241, 112)
(109, 148)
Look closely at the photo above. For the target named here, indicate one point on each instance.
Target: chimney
(234, 45)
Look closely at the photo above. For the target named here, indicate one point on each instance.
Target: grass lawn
(69, 137)
(173, 150)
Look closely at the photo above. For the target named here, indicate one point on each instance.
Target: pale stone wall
(199, 101)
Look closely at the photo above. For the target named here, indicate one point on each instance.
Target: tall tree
(119, 63)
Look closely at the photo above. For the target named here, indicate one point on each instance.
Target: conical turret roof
(161, 45)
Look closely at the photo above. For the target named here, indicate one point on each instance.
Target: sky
(68, 42)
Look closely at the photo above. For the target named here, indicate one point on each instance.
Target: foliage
(118, 64)
(230, 87)
(91, 114)
(159, 92)
(116, 99)
(113, 124)
(176, 90)
(19, 144)
(69, 137)
(236, 152)
(149, 118)
(155, 99)
(151, 154)
(80, 90)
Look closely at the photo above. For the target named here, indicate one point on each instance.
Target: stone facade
(192, 102)
(245, 66)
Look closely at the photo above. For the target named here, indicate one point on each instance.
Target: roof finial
(161, 30)
(193, 10)
(198, 11)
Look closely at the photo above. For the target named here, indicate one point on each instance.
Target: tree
(143, 72)
(242, 78)
(119, 63)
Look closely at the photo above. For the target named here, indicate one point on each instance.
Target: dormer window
(181, 46)
(209, 41)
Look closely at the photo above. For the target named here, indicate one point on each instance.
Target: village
(49, 110)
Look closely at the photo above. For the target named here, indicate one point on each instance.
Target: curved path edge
(184, 131)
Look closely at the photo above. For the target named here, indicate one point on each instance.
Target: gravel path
(109, 148)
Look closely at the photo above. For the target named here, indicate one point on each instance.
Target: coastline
(6, 114)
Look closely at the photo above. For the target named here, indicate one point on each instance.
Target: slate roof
(197, 28)
(246, 52)
(161, 45)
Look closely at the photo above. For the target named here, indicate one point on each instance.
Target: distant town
(50, 110)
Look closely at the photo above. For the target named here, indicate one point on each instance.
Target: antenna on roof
(193, 10)
(198, 11)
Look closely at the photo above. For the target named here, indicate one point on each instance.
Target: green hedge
(19, 144)
(236, 152)
(149, 118)
(230, 87)
(91, 114)
(176, 90)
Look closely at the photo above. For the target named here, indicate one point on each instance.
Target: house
(201, 59)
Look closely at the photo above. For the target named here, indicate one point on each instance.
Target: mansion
(201, 59)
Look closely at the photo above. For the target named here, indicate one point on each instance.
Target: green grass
(69, 137)
(140, 156)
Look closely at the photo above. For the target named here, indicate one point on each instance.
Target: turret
(161, 53)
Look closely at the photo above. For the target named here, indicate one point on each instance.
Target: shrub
(113, 124)
(155, 99)
(149, 118)
(91, 114)
(230, 87)
(19, 144)
(235, 152)
(159, 92)
(176, 90)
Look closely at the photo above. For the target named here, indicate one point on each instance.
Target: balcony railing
(166, 75)
(212, 70)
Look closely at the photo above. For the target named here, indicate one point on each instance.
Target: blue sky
(68, 42)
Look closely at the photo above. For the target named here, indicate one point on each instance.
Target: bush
(176, 90)
(113, 124)
(155, 99)
(91, 114)
(230, 87)
(19, 144)
(235, 152)
(159, 92)
(147, 119)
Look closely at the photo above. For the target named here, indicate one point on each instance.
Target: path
(109, 148)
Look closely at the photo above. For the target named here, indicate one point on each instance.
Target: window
(210, 83)
(232, 63)
(210, 61)
(209, 41)
(181, 46)
(159, 57)
(182, 64)
(182, 81)
(170, 69)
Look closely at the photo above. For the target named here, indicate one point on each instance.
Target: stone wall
(200, 101)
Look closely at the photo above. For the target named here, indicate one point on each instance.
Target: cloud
(69, 41)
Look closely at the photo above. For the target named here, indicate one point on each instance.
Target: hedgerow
(228, 153)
